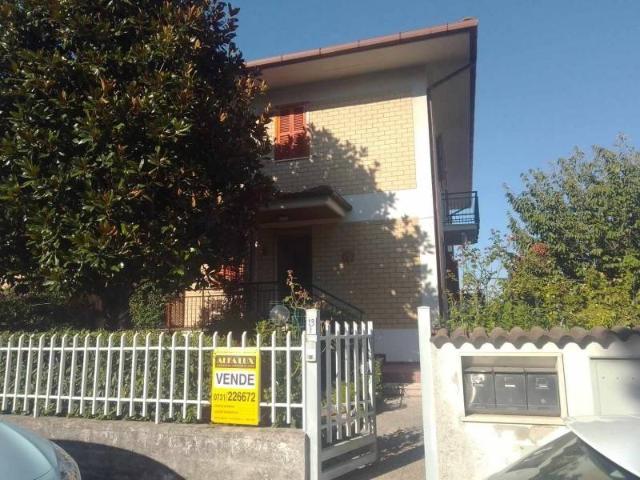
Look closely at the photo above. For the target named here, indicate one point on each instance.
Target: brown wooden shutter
(291, 137)
(298, 120)
(284, 127)
(300, 140)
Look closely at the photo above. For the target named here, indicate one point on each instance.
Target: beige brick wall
(358, 145)
(373, 265)
(382, 275)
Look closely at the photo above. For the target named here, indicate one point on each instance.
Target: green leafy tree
(573, 255)
(586, 211)
(129, 147)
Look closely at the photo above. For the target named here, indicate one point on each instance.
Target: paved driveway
(399, 443)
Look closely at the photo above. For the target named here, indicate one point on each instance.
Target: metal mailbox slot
(479, 390)
(511, 391)
(542, 391)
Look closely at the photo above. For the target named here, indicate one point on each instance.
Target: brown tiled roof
(538, 336)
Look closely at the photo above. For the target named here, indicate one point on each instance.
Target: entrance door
(294, 253)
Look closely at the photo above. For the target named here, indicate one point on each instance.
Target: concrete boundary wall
(119, 449)
(595, 378)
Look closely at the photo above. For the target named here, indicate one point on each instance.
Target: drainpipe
(449, 76)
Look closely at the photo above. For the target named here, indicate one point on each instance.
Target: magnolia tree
(129, 148)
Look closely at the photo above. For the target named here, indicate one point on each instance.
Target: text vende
(235, 380)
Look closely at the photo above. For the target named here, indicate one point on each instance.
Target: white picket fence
(322, 380)
(149, 376)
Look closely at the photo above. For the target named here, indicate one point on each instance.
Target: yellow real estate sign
(235, 386)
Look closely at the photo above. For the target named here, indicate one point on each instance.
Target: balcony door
(294, 253)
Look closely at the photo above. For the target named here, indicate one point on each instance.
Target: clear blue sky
(551, 74)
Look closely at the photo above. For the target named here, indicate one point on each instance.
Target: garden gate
(340, 408)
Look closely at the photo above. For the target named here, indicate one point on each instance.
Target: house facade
(373, 155)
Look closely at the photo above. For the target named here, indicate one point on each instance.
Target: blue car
(25, 455)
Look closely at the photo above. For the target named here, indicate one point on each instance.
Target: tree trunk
(115, 307)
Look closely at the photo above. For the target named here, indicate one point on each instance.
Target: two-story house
(373, 151)
(373, 154)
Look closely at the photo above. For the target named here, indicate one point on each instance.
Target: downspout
(449, 76)
(437, 201)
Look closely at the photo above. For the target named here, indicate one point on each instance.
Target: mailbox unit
(479, 390)
(542, 391)
(511, 390)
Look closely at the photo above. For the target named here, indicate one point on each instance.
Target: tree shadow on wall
(374, 264)
(103, 462)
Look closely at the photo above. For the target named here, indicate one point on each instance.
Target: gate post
(428, 397)
(312, 393)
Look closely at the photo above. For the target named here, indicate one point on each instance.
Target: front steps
(400, 372)
(413, 390)
(401, 379)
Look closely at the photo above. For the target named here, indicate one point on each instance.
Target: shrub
(37, 311)
(379, 384)
(505, 286)
(146, 306)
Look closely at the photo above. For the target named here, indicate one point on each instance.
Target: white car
(25, 455)
(595, 448)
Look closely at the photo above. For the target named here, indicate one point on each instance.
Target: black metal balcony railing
(461, 217)
(461, 208)
(333, 308)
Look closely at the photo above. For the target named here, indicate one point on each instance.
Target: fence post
(428, 397)
(312, 412)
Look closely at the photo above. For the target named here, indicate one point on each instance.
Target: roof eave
(470, 24)
(473, 54)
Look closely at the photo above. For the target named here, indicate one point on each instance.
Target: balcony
(461, 217)
(246, 303)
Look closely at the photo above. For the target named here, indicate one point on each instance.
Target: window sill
(513, 419)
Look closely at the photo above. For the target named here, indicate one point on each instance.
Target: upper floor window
(292, 139)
